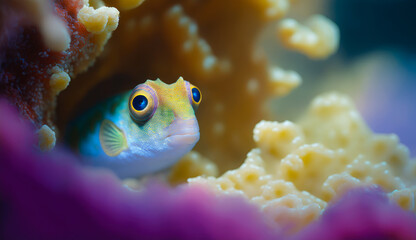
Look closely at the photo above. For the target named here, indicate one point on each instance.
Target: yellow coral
(59, 80)
(298, 168)
(191, 165)
(405, 198)
(282, 82)
(99, 20)
(279, 199)
(319, 37)
(47, 138)
(195, 51)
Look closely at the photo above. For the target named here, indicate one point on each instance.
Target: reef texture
(297, 169)
(43, 44)
(215, 45)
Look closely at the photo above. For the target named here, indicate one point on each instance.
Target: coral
(283, 82)
(103, 19)
(32, 71)
(47, 138)
(59, 80)
(362, 214)
(52, 28)
(298, 168)
(318, 38)
(191, 165)
(51, 196)
(196, 53)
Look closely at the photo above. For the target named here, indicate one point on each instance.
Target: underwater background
(306, 127)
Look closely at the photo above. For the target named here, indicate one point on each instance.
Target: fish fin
(112, 139)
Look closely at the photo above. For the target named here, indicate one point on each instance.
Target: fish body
(142, 131)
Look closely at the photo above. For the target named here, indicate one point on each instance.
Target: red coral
(25, 62)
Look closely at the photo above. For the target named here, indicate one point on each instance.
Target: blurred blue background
(388, 26)
(375, 63)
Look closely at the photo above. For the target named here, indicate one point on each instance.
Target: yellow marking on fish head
(177, 97)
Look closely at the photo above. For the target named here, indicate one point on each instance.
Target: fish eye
(142, 103)
(195, 95)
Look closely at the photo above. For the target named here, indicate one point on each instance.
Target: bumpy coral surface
(298, 168)
(43, 44)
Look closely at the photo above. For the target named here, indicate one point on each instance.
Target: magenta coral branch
(362, 214)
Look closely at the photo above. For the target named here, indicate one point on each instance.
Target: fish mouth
(187, 139)
(183, 132)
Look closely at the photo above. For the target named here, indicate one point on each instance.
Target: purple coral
(50, 196)
(362, 214)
